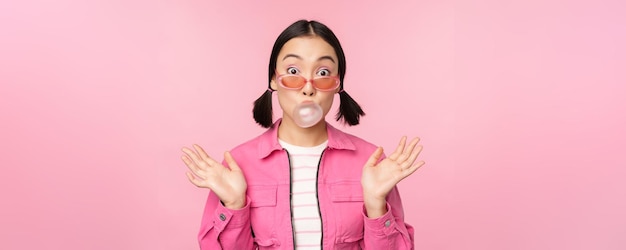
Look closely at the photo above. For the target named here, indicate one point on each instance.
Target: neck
(293, 134)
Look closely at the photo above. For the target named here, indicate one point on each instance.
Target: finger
(192, 166)
(408, 152)
(412, 169)
(194, 180)
(192, 155)
(414, 155)
(231, 162)
(399, 149)
(374, 157)
(204, 155)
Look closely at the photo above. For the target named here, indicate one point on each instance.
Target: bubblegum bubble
(307, 114)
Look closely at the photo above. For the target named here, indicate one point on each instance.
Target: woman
(304, 184)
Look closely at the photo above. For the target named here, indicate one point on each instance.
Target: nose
(308, 89)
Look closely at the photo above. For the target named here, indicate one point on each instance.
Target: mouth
(307, 114)
(306, 109)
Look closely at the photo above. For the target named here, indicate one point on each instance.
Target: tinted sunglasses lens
(292, 81)
(325, 83)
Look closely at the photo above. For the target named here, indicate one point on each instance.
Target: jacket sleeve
(224, 228)
(388, 231)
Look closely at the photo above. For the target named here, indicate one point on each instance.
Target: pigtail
(262, 110)
(349, 110)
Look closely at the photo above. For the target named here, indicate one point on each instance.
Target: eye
(292, 71)
(323, 72)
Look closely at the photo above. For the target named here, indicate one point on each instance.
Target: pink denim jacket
(265, 221)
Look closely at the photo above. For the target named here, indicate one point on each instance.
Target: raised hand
(379, 179)
(228, 184)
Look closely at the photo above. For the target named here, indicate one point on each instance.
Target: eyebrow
(300, 58)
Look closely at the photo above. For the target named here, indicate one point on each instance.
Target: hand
(379, 179)
(228, 184)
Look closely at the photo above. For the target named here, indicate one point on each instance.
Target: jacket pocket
(347, 205)
(263, 215)
(262, 196)
(269, 243)
(346, 191)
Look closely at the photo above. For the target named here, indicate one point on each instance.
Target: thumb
(231, 162)
(374, 157)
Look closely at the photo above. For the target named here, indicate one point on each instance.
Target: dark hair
(349, 110)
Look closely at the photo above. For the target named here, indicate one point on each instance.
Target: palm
(379, 179)
(222, 181)
(228, 184)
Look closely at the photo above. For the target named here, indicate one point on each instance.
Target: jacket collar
(268, 141)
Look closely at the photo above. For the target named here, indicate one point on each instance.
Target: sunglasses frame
(336, 78)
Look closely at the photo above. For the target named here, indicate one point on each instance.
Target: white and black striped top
(306, 216)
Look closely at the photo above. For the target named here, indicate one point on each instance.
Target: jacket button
(387, 223)
(222, 217)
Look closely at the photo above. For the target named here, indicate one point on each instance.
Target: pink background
(520, 107)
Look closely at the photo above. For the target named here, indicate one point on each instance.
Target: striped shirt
(306, 216)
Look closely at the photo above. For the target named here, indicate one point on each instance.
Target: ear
(273, 85)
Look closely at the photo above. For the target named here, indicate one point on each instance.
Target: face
(309, 57)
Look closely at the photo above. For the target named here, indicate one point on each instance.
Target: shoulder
(257, 147)
(360, 143)
(353, 147)
(249, 147)
(343, 140)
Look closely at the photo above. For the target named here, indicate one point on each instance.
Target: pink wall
(520, 107)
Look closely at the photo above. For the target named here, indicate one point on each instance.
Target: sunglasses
(296, 82)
